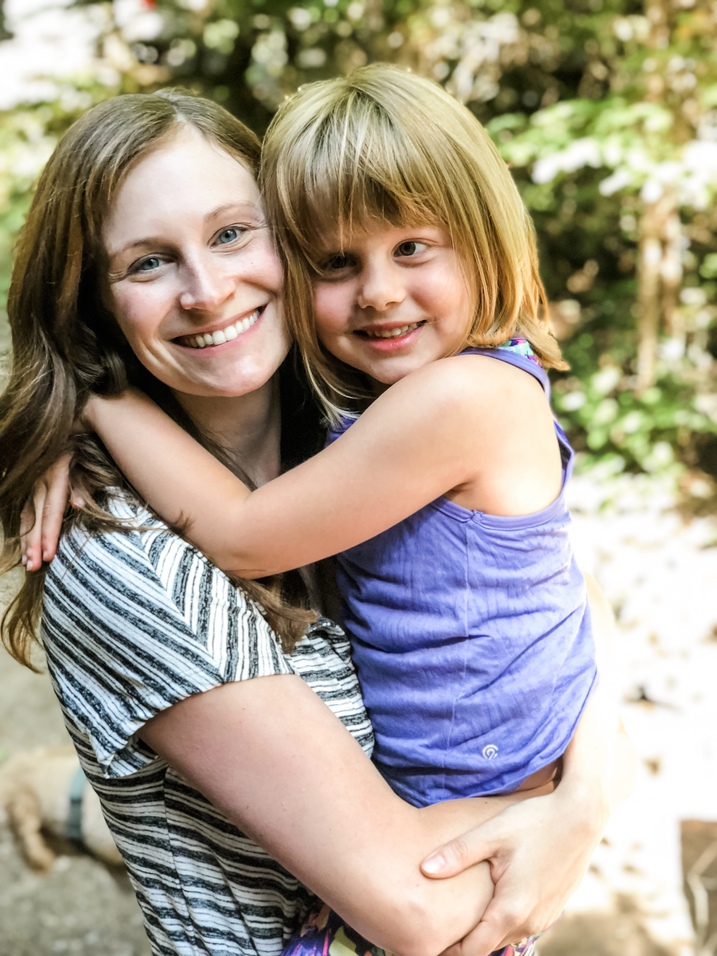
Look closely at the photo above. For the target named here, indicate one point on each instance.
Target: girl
(411, 264)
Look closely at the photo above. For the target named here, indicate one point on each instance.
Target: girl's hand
(538, 852)
(42, 515)
(41, 518)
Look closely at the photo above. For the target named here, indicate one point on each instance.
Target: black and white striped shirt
(133, 623)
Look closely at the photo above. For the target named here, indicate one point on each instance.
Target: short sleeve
(136, 622)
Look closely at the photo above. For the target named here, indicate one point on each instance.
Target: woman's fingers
(536, 856)
(470, 848)
(508, 919)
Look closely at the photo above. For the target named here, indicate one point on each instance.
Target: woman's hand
(42, 515)
(538, 853)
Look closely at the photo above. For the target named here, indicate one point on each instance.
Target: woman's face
(192, 276)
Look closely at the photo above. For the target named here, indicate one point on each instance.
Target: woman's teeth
(221, 335)
(390, 333)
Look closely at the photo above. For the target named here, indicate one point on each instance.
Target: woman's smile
(222, 335)
(193, 278)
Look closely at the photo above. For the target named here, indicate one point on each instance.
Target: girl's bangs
(361, 176)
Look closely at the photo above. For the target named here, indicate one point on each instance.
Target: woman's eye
(410, 247)
(150, 264)
(230, 234)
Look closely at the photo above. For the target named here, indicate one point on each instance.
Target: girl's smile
(392, 299)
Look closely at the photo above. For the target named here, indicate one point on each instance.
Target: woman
(202, 770)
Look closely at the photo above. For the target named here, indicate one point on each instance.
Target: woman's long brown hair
(65, 343)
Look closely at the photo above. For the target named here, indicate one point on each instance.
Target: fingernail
(23, 559)
(46, 556)
(434, 863)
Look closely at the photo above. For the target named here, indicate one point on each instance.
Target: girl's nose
(380, 287)
(206, 286)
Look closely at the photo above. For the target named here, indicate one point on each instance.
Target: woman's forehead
(188, 154)
(189, 178)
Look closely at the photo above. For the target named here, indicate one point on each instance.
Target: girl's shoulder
(466, 383)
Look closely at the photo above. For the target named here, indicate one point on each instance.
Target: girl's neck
(248, 427)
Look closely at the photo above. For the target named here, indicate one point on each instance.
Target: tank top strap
(517, 352)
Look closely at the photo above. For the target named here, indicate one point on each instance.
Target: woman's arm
(271, 756)
(453, 422)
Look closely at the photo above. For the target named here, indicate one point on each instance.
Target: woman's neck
(247, 426)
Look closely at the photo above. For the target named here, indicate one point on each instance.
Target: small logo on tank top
(490, 751)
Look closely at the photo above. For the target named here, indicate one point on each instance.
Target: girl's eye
(410, 248)
(336, 263)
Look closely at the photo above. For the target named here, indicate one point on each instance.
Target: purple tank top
(472, 639)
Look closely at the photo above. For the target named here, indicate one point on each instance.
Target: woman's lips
(205, 339)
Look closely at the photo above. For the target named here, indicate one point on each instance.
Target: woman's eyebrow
(135, 244)
(245, 207)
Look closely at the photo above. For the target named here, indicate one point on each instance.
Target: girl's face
(392, 300)
(192, 276)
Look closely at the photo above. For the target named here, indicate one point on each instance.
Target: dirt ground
(81, 907)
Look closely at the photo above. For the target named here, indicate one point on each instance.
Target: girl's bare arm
(475, 427)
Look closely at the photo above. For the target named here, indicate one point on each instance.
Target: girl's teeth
(391, 333)
(222, 335)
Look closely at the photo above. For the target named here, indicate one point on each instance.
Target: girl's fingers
(41, 518)
(55, 503)
(31, 529)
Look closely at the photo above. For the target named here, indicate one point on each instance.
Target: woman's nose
(381, 286)
(206, 286)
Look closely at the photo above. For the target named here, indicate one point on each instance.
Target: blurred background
(606, 111)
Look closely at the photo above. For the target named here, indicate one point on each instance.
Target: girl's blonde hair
(65, 343)
(385, 145)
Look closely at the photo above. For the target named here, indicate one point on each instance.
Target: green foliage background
(605, 109)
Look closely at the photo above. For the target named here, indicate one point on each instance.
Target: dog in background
(44, 796)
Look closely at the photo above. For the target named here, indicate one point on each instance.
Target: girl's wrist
(86, 419)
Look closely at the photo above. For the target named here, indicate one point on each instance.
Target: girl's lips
(389, 339)
(205, 340)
